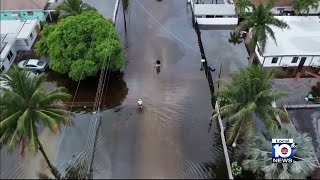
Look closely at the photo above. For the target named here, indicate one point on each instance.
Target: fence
(223, 139)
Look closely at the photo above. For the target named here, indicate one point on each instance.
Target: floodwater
(169, 137)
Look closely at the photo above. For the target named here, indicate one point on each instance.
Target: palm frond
(258, 155)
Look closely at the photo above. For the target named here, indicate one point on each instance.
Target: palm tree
(304, 6)
(259, 21)
(248, 95)
(258, 155)
(26, 104)
(234, 38)
(73, 7)
(243, 6)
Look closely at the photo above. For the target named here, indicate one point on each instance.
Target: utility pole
(124, 16)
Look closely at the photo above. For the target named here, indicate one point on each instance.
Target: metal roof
(301, 38)
(7, 5)
(214, 9)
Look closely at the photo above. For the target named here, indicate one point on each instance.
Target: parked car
(33, 65)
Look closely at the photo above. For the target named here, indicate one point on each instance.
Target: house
(26, 9)
(16, 35)
(209, 15)
(284, 7)
(297, 46)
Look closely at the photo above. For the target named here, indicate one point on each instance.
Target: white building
(297, 46)
(16, 35)
(214, 15)
(284, 7)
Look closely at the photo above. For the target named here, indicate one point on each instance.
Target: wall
(21, 44)
(7, 15)
(315, 61)
(7, 64)
(276, 10)
(287, 61)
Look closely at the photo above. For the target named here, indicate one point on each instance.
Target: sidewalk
(297, 90)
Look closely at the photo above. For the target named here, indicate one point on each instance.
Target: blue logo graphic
(283, 150)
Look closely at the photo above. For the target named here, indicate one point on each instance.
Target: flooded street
(169, 137)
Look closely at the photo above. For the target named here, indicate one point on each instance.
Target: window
(31, 36)
(5, 15)
(10, 55)
(30, 13)
(259, 51)
(15, 14)
(40, 63)
(31, 66)
(25, 63)
(274, 60)
(294, 59)
(2, 69)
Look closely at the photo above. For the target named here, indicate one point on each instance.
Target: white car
(33, 65)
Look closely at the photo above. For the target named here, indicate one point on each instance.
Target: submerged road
(168, 138)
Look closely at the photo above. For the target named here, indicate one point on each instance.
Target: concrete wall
(23, 15)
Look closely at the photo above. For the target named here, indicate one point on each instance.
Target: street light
(202, 61)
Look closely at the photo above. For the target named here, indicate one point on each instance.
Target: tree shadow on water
(115, 88)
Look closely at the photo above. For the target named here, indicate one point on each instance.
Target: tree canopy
(247, 95)
(304, 6)
(259, 21)
(25, 104)
(81, 45)
(73, 7)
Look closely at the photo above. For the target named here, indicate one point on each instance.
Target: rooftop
(7, 5)
(12, 30)
(214, 9)
(301, 38)
(278, 3)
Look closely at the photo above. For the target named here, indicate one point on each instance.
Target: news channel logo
(283, 150)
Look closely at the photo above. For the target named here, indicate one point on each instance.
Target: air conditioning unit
(15, 14)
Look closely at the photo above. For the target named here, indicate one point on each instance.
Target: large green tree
(81, 45)
(304, 6)
(258, 22)
(249, 94)
(25, 104)
(259, 155)
(73, 7)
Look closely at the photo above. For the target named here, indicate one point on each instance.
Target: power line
(208, 57)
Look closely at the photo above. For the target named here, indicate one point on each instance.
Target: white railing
(224, 144)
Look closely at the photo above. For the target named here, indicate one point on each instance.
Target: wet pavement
(218, 50)
(308, 120)
(105, 7)
(297, 90)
